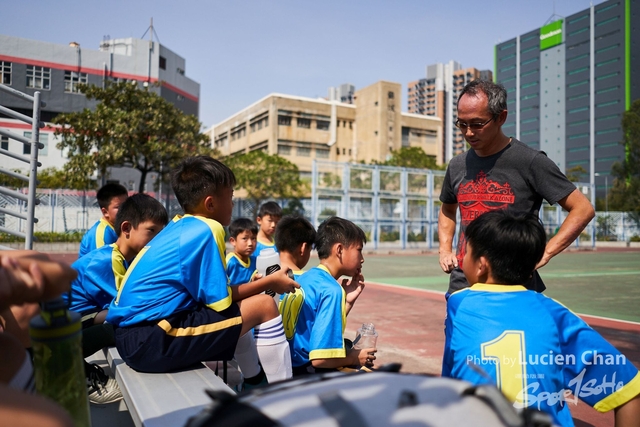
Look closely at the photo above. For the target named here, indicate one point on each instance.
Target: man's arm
(278, 281)
(446, 230)
(628, 415)
(580, 213)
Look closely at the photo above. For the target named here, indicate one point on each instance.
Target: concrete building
(570, 81)
(301, 129)
(437, 95)
(56, 70)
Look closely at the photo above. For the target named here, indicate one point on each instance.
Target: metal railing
(34, 143)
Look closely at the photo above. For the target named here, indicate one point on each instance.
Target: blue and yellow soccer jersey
(102, 233)
(181, 268)
(314, 317)
(535, 350)
(100, 274)
(238, 271)
(260, 245)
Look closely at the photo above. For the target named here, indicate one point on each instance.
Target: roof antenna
(553, 17)
(151, 33)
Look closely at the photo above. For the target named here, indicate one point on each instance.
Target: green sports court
(599, 283)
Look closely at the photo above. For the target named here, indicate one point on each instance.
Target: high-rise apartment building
(437, 95)
(301, 129)
(570, 81)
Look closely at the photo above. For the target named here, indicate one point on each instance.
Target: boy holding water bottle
(315, 316)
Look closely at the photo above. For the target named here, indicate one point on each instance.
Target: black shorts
(181, 341)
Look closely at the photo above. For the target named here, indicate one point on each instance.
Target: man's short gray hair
(496, 94)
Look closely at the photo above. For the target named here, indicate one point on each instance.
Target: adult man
(500, 172)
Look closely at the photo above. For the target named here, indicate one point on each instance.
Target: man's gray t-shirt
(516, 178)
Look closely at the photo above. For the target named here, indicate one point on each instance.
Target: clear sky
(241, 50)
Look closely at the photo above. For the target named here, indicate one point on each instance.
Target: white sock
(273, 350)
(246, 355)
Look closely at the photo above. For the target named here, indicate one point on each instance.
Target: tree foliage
(625, 191)
(265, 177)
(412, 157)
(130, 126)
(576, 173)
(47, 177)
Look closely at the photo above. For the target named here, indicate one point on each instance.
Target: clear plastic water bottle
(366, 337)
(56, 335)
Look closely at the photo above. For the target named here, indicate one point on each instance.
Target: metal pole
(33, 171)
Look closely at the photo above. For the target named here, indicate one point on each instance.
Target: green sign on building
(551, 35)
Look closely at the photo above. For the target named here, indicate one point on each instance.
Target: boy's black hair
(337, 230)
(240, 225)
(270, 208)
(197, 177)
(292, 231)
(108, 192)
(138, 209)
(512, 244)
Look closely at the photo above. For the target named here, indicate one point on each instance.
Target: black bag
(366, 399)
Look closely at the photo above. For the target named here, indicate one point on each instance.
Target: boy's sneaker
(101, 388)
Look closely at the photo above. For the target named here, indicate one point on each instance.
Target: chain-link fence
(396, 207)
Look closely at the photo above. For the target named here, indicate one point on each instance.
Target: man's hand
(448, 261)
(19, 285)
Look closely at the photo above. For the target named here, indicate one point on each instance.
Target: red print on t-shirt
(480, 196)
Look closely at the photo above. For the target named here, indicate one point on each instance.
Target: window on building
(5, 143)
(44, 139)
(322, 125)
(338, 151)
(304, 123)
(390, 95)
(321, 153)
(5, 72)
(162, 63)
(38, 77)
(284, 150)
(72, 79)
(284, 120)
(304, 151)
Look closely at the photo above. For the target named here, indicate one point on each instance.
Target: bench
(162, 400)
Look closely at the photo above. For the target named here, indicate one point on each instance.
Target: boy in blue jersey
(100, 275)
(110, 197)
(533, 348)
(294, 240)
(101, 272)
(268, 217)
(315, 316)
(241, 264)
(176, 309)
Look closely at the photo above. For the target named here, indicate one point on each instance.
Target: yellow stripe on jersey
(328, 353)
(131, 268)
(620, 397)
(199, 330)
(224, 303)
(235, 255)
(102, 226)
(117, 265)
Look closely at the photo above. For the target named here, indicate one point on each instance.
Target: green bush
(45, 237)
(635, 238)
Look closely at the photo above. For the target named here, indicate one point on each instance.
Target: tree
(130, 126)
(576, 173)
(624, 194)
(412, 157)
(265, 176)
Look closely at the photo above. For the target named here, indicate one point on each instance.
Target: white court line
(387, 285)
